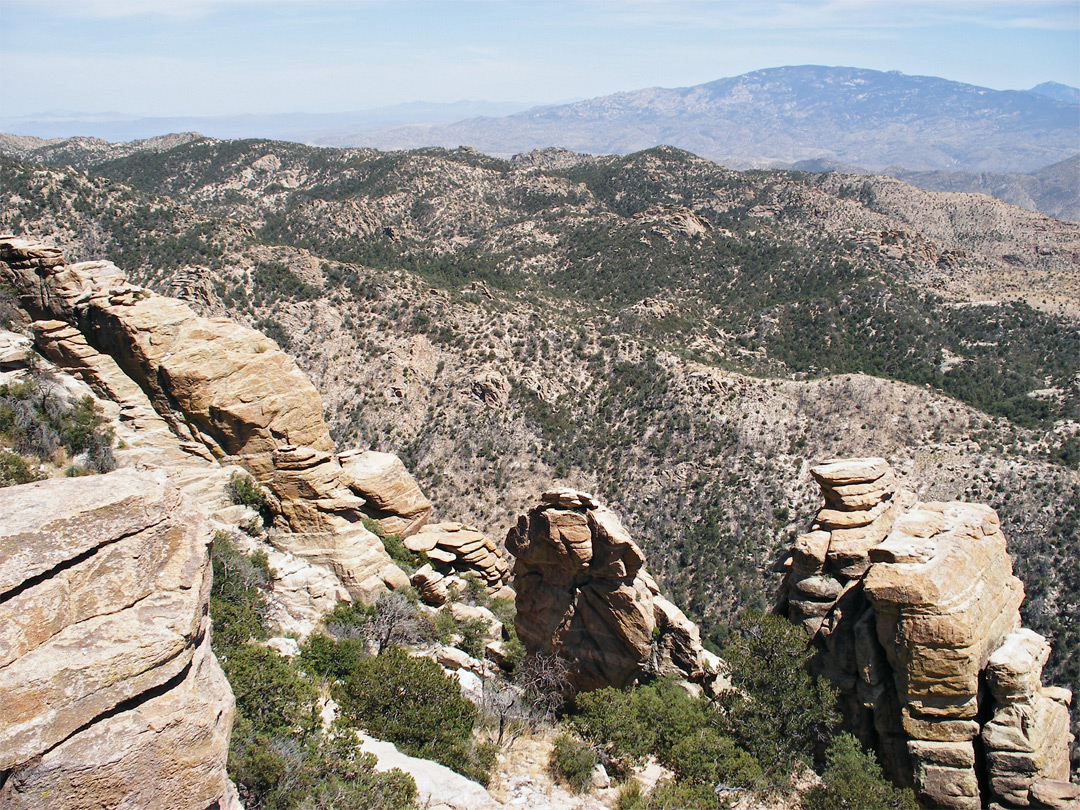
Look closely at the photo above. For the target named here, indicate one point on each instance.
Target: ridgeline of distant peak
(783, 115)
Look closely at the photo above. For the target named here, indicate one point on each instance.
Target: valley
(680, 339)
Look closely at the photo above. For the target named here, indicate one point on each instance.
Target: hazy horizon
(219, 58)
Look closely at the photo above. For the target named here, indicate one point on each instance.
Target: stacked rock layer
(584, 594)
(112, 697)
(912, 607)
(455, 550)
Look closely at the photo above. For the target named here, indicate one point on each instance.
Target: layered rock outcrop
(112, 697)
(211, 391)
(914, 612)
(454, 549)
(584, 594)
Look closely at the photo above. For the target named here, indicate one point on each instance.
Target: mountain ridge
(782, 115)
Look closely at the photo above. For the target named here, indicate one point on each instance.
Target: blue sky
(219, 57)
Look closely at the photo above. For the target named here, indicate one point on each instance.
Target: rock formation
(454, 549)
(583, 593)
(225, 394)
(913, 609)
(112, 697)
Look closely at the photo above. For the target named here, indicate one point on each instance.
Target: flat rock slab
(842, 472)
(104, 600)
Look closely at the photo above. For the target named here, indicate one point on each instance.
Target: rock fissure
(71, 563)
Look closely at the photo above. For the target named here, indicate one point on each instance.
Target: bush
(16, 470)
(37, 419)
(407, 560)
(853, 781)
(244, 490)
(574, 761)
(411, 703)
(237, 597)
(684, 733)
(777, 711)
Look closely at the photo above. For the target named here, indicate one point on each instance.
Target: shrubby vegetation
(41, 423)
(281, 757)
(757, 737)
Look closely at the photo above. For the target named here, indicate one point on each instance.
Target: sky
(225, 57)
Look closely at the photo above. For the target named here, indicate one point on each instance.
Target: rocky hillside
(675, 337)
(782, 115)
(1053, 190)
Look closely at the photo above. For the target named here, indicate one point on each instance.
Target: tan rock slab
(836, 472)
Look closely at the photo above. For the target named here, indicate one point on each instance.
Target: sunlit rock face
(112, 696)
(226, 394)
(914, 611)
(583, 593)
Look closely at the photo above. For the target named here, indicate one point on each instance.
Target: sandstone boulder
(112, 697)
(914, 614)
(394, 499)
(455, 549)
(583, 593)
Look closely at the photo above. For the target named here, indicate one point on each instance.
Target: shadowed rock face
(915, 614)
(583, 593)
(227, 394)
(112, 697)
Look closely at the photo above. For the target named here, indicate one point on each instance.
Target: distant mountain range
(1022, 146)
(1053, 190)
(299, 127)
(780, 116)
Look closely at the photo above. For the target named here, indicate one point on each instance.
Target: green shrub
(684, 733)
(413, 704)
(777, 711)
(852, 781)
(630, 796)
(244, 490)
(16, 470)
(473, 634)
(237, 596)
(674, 795)
(37, 419)
(574, 761)
(407, 560)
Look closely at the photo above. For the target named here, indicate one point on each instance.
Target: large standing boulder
(112, 697)
(584, 594)
(914, 611)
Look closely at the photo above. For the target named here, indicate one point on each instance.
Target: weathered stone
(432, 586)
(837, 519)
(393, 496)
(226, 393)
(824, 589)
(949, 754)
(808, 553)
(167, 753)
(582, 592)
(1057, 794)
(112, 697)
(569, 499)
(840, 472)
(1014, 671)
(940, 786)
(940, 618)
